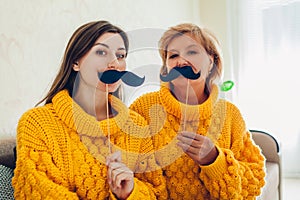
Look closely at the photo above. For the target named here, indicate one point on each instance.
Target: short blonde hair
(207, 39)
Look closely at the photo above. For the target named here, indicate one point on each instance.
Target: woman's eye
(173, 56)
(192, 52)
(101, 52)
(121, 56)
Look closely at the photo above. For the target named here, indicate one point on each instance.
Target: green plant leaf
(226, 86)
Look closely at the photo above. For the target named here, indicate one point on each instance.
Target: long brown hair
(79, 44)
(201, 35)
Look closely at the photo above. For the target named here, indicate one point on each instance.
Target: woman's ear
(76, 66)
(211, 64)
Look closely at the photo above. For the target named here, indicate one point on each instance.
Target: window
(268, 70)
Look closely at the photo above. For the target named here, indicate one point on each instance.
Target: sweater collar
(77, 119)
(192, 112)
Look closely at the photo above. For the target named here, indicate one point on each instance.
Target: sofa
(269, 145)
(7, 164)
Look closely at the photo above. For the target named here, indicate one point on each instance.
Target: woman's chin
(109, 87)
(180, 82)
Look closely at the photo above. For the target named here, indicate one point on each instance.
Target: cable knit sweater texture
(61, 153)
(239, 170)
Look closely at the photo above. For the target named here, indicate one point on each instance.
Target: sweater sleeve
(239, 171)
(33, 178)
(149, 181)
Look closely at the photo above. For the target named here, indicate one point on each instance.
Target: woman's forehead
(183, 41)
(112, 40)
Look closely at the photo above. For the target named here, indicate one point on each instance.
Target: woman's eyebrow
(192, 45)
(105, 45)
(122, 48)
(172, 51)
(102, 44)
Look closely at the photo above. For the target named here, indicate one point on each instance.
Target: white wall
(34, 33)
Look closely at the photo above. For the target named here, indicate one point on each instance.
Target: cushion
(7, 157)
(6, 189)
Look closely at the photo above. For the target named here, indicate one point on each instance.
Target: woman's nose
(181, 62)
(113, 63)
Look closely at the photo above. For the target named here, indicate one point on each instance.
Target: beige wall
(213, 15)
(34, 33)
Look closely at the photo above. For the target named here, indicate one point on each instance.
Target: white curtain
(265, 53)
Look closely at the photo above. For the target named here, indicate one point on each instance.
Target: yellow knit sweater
(237, 173)
(61, 153)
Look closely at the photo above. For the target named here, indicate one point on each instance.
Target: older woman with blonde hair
(201, 140)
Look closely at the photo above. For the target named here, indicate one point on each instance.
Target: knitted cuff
(217, 168)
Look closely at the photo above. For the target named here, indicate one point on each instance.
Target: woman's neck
(92, 102)
(190, 95)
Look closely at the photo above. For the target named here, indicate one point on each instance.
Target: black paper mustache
(129, 78)
(185, 71)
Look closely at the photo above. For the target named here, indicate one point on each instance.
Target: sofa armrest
(7, 157)
(270, 147)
